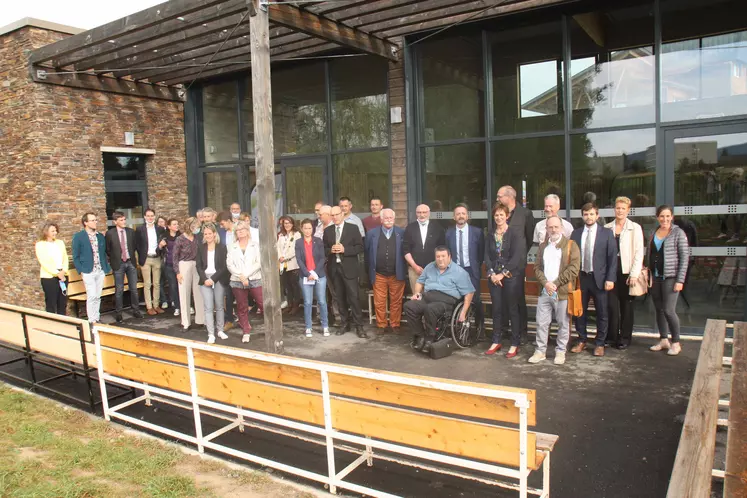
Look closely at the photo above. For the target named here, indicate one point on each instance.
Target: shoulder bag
(640, 287)
(575, 308)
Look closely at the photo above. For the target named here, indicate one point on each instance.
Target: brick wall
(398, 143)
(50, 158)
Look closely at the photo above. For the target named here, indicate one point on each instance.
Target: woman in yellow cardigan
(52, 256)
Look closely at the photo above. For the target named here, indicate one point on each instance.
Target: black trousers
(346, 297)
(506, 303)
(589, 288)
(416, 310)
(127, 267)
(54, 300)
(289, 281)
(521, 301)
(621, 312)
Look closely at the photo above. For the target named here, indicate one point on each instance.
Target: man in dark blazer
(420, 242)
(522, 218)
(597, 276)
(467, 246)
(342, 244)
(150, 239)
(387, 269)
(121, 249)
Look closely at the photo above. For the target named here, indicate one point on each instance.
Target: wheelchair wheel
(464, 333)
(443, 325)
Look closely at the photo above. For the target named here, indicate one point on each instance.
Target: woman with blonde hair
(630, 251)
(211, 267)
(246, 274)
(286, 245)
(184, 262)
(53, 260)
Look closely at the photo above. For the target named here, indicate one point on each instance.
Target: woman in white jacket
(630, 250)
(287, 238)
(246, 274)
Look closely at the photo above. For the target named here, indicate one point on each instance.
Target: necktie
(460, 255)
(338, 234)
(123, 245)
(587, 252)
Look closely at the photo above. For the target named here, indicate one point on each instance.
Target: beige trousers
(413, 277)
(152, 277)
(188, 288)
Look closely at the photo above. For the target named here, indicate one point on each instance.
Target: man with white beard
(556, 269)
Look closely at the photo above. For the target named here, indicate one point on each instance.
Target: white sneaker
(283, 305)
(663, 344)
(537, 357)
(222, 335)
(176, 312)
(245, 338)
(326, 332)
(191, 310)
(675, 349)
(308, 333)
(165, 306)
(211, 339)
(559, 357)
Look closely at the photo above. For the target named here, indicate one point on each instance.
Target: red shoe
(511, 355)
(494, 349)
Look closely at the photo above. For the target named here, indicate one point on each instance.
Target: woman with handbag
(287, 237)
(629, 238)
(668, 257)
(53, 263)
(505, 255)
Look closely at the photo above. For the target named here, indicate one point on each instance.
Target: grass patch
(48, 450)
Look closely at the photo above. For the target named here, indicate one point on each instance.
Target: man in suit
(89, 258)
(150, 240)
(386, 270)
(420, 242)
(523, 219)
(467, 246)
(597, 276)
(121, 248)
(342, 245)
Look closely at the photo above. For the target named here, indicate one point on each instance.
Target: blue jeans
(320, 288)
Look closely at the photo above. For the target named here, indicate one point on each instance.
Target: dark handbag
(443, 348)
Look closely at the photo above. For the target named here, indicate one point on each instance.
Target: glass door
(304, 184)
(708, 168)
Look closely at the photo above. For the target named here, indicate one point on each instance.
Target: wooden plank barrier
(693, 464)
(735, 479)
(419, 419)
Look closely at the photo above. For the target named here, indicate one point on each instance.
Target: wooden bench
(59, 342)
(735, 478)
(76, 289)
(442, 425)
(693, 464)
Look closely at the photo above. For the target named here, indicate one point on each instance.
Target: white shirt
(551, 262)
(540, 230)
(210, 270)
(354, 220)
(423, 231)
(152, 240)
(588, 237)
(465, 245)
(229, 237)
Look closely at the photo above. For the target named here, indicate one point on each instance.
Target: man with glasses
(120, 247)
(89, 258)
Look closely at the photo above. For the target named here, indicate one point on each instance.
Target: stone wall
(50, 158)
(398, 141)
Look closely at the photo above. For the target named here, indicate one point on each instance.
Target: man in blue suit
(387, 270)
(597, 276)
(467, 246)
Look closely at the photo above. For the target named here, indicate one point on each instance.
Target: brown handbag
(575, 308)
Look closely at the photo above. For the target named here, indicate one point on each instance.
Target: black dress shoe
(361, 333)
(118, 317)
(417, 342)
(137, 314)
(347, 327)
(426, 347)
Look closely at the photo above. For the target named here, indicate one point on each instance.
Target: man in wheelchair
(438, 290)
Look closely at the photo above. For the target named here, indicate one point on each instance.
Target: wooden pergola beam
(116, 29)
(327, 29)
(107, 84)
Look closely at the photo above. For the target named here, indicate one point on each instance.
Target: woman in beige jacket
(630, 250)
(287, 237)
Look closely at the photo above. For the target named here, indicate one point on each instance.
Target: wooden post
(265, 170)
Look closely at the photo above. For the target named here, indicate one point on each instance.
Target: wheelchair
(465, 334)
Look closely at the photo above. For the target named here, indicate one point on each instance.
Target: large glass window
(359, 105)
(453, 89)
(361, 176)
(299, 110)
(612, 67)
(454, 174)
(527, 79)
(221, 189)
(610, 164)
(704, 59)
(534, 167)
(220, 122)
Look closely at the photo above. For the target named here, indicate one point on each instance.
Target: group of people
(319, 260)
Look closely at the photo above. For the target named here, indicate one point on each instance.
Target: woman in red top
(312, 275)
